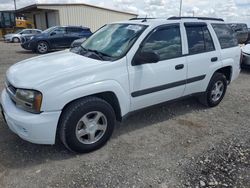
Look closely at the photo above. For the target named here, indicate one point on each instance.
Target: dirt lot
(176, 145)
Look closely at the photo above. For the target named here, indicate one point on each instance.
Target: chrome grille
(12, 89)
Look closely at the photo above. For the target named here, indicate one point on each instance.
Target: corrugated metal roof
(30, 7)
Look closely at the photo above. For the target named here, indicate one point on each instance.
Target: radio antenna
(145, 19)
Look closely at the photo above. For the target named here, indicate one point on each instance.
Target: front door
(165, 80)
(56, 37)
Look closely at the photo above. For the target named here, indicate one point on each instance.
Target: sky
(230, 10)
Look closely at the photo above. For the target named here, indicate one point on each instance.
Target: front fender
(57, 103)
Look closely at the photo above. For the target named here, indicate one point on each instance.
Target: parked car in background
(17, 36)
(248, 39)
(241, 32)
(246, 56)
(77, 42)
(57, 37)
(78, 95)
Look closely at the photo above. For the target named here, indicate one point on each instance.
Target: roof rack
(143, 19)
(199, 18)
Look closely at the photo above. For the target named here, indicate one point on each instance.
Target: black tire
(207, 98)
(70, 119)
(16, 40)
(42, 47)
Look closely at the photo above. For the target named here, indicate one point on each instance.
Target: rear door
(203, 58)
(162, 81)
(72, 33)
(230, 50)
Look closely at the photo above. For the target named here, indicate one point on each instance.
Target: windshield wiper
(98, 53)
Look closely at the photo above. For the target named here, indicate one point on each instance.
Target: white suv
(77, 95)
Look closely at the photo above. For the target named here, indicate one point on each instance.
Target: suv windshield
(113, 41)
(49, 29)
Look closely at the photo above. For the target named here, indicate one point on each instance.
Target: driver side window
(165, 42)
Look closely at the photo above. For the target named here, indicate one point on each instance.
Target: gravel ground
(177, 145)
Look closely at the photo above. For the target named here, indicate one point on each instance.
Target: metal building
(46, 15)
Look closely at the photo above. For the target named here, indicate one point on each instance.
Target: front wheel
(86, 124)
(42, 47)
(215, 91)
(16, 40)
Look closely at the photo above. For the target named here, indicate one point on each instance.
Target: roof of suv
(161, 21)
(72, 26)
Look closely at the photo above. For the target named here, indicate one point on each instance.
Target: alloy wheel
(217, 91)
(91, 127)
(42, 47)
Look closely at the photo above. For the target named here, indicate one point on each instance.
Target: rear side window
(199, 39)
(35, 32)
(27, 32)
(226, 35)
(86, 30)
(166, 42)
(74, 30)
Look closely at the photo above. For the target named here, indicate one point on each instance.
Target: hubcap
(42, 47)
(217, 91)
(91, 127)
(16, 40)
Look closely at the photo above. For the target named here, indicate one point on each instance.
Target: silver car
(16, 37)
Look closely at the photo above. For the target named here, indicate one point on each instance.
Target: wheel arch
(109, 96)
(227, 71)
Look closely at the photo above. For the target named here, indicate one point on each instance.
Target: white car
(246, 55)
(17, 36)
(77, 95)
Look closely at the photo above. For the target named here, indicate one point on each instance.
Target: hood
(10, 34)
(39, 70)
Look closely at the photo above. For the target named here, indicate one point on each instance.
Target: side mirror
(145, 57)
(78, 42)
(53, 33)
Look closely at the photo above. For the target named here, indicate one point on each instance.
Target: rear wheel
(16, 40)
(215, 91)
(42, 47)
(87, 124)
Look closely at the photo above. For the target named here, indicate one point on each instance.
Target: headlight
(31, 37)
(29, 100)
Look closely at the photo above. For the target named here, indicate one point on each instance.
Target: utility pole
(15, 5)
(180, 8)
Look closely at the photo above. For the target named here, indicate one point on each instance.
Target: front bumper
(7, 39)
(29, 45)
(35, 128)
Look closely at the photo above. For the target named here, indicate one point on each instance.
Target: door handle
(214, 59)
(178, 67)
